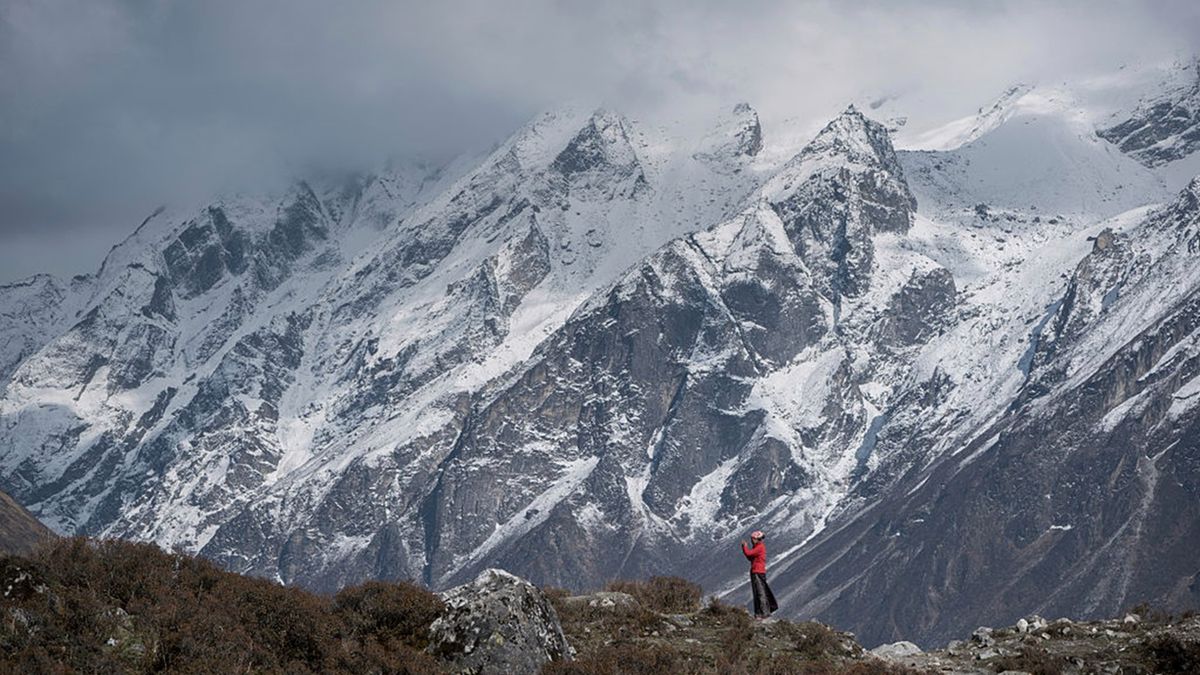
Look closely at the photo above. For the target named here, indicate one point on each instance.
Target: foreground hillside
(82, 606)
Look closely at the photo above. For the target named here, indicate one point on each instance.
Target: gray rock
(498, 623)
(983, 636)
(896, 650)
(603, 600)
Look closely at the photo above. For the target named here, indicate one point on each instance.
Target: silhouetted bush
(662, 594)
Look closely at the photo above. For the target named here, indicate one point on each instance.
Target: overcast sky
(109, 108)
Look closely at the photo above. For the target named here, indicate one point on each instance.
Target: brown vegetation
(666, 595)
(83, 606)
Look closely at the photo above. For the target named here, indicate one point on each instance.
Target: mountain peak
(852, 137)
(602, 145)
(736, 135)
(832, 197)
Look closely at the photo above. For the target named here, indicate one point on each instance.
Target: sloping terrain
(20, 532)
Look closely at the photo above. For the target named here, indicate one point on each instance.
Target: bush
(666, 595)
(815, 641)
(401, 612)
(721, 611)
(625, 659)
(1169, 654)
(113, 606)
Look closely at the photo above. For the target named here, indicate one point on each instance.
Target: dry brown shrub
(667, 595)
(113, 606)
(386, 611)
(623, 658)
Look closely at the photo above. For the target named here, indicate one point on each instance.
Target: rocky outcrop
(497, 623)
(1163, 129)
(1033, 645)
(841, 189)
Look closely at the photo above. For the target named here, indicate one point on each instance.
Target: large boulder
(498, 623)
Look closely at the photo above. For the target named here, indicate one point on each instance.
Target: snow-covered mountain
(954, 381)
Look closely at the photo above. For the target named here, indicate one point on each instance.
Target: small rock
(681, 619)
(983, 636)
(1022, 626)
(986, 654)
(896, 650)
(602, 600)
(1132, 619)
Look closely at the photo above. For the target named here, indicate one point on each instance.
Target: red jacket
(757, 555)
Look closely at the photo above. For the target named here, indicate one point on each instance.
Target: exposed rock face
(845, 186)
(1163, 129)
(497, 623)
(1016, 505)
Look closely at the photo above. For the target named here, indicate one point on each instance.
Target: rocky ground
(617, 632)
(1148, 642)
(663, 626)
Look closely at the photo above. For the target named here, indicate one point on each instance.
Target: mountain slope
(1079, 494)
(20, 532)
(605, 350)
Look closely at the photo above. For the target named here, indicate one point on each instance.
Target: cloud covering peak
(109, 108)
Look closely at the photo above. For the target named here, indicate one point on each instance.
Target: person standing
(756, 553)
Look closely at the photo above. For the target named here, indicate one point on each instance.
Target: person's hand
(743, 542)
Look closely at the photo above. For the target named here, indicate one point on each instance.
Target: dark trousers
(764, 599)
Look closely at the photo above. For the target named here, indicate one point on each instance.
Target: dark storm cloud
(109, 108)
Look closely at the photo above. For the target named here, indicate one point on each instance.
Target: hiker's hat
(757, 534)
